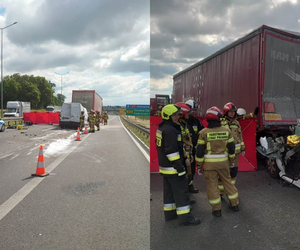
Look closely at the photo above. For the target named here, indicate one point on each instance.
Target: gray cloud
(78, 22)
(158, 72)
(176, 27)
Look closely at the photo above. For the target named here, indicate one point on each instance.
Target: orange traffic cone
(78, 135)
(40, 169)
(85, 129)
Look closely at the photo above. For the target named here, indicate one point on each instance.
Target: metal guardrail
(144, 130)
(12, 122)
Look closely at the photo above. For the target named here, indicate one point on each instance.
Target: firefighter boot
(189, 220)
(217, 213)
(234, 208)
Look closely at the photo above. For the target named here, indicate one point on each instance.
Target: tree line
(34, 89)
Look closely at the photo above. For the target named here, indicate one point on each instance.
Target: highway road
(268, 218)
(95, 197)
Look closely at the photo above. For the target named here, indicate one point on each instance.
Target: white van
(70, 115)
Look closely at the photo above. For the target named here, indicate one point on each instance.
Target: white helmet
(192, 104)
(241, 111)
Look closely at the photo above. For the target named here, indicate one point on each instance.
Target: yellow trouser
(213, 193)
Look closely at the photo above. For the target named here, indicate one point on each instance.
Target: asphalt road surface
(269, 217)
(96, 196)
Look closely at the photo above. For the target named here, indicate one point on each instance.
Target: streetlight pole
(2, 66)
(61, 79)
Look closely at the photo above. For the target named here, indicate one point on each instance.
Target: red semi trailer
(261, 69)
(89, 99)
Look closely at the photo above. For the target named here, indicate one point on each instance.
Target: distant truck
(70, 115)
(159, 100)
(90, 99)
(16, 108)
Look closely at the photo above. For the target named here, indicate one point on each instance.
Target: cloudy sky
(104, 44)
(185, 32)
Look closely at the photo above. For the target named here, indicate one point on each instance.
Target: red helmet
(82, 111)
(184, 108)
(214, 113)
(229, 107)
(97, 111)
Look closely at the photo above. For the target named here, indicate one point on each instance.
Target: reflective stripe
(216, 201)
(179, 138)
(233, 181)
(183, 210)
(216, 159)
(230, 140)
(169, 207)
(173, 156)
(195, 128)
(167, 170)
(181, 173)
(231, 156)
(208, 148)
(215, 156)
(158, 134)
(242, 143)
(187, 131)
(221, 187)
(233, 196)
(234, 126)
(191, 183)
(199, 159)
(201, 142)
(238, 145)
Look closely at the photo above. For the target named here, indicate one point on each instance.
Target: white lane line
(109, 120)
(138, 145)
(16, 198)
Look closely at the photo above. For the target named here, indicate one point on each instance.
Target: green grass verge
(138, 133)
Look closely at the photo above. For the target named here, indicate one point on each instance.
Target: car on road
(2, 126)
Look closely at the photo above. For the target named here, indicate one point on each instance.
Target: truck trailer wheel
(272, 168)
(2, 128)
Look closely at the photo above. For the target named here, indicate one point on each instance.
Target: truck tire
(272, 168)
(2, 128)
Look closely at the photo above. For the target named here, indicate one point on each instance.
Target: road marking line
(138, 145)
(16, 198)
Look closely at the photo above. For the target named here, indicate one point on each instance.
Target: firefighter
(170, 157)
(105, 117)
(241, 114)
(186, 138)
(195, 127)
(230, 121)
(91, 121)
(98, 119)
(215, 151)
(81, 120)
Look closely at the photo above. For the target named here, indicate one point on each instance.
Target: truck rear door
(281, 79)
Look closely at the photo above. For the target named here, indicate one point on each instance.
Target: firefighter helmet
(170, 110)
(241, 111)
(192, 104)
(184, 107)
(229, 107)
(160, 107)
(97, 111)
(214, 113)
(82, 112)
